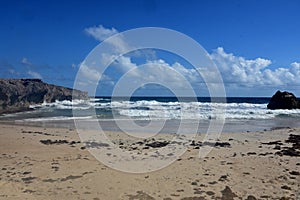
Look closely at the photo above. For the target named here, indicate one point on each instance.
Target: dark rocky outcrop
(18, 94)
(284, 100)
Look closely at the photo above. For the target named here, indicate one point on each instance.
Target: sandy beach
(49, 163)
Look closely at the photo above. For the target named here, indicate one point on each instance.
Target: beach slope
(49, 163)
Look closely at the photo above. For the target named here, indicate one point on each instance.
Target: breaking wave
(152, 109)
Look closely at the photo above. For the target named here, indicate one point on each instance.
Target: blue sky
(255, 44)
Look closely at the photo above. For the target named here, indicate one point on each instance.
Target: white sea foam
(199, 110)
(66, 104)
(145, 109)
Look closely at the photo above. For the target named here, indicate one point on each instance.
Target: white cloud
(89, 77)
(124, 64)
(89, 73)
(295, 69)
(34, 74)
(172, 76)
(25, 61)
(100, 33)
(240, 71)
(237, 72)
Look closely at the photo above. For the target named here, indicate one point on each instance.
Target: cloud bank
(252, 73)
(241, 76)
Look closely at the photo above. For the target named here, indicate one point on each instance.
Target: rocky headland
(18, 94)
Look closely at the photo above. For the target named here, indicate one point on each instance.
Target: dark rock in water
(18, 94)
(284, 100)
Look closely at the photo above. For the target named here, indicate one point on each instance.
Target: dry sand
(250, 168)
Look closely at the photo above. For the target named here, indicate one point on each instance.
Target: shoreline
(171, 126)
(52, 163)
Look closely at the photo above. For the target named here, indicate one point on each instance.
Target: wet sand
(53, 163)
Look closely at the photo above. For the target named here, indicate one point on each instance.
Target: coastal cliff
(18, 94)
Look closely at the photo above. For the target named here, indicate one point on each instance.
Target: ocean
(240, 114)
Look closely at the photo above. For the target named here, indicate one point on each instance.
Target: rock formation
(17, 94)
(284, 100)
